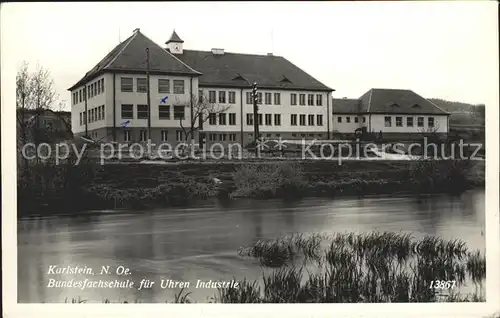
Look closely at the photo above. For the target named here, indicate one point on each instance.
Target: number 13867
(442, 284)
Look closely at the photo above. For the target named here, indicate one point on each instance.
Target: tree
(202, 108)
(35, 94)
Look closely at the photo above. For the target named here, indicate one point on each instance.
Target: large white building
(292, 104)
(396, 113)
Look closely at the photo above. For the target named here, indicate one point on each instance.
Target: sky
(444, 50)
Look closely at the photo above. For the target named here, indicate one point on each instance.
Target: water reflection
(200, 242)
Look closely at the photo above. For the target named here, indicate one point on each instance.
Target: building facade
(394, 113)
(204, 92)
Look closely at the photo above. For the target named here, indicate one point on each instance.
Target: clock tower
(174, 44)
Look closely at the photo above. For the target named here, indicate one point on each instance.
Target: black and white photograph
(251, 153)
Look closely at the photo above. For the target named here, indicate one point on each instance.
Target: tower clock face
(176, 47)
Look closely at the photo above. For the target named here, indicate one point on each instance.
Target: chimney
(218, 51)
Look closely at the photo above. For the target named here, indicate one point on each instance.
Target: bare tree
(202, 108)
(35, 93)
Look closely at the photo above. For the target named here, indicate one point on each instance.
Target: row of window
(213, 119)
(302, 120)
(143, 135)
(250, 136)
(94, 114)
(164, 112)
(268, 99)
(399, 121)
(348, 119)
(127, 85)
(92, 90)
(222, 137)
(212, 97)
(409, 121)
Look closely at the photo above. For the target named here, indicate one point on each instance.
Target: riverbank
(140, 186)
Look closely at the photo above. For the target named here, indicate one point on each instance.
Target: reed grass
(368, 267)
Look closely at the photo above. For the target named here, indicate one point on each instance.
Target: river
(201, 241)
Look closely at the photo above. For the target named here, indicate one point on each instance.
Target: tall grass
(373, 267)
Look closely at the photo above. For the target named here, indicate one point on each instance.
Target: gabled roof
(397, 101)
(345, 106)
(174, 38)
(130, 56)
(267, 70)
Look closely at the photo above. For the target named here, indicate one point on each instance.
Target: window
(142, 85)
(164, 112)
(409, 121)
(232, 119)
(319, 100)
(232, 97)
(200, 96)
(88, 93)
(364, 119)
(212, 137)
(430, 121)
(259, 98)
(269, 119)
(127, 84)
(302, 120)
(277, 119)
(260, 119)
(278, 135)
(99, 113)
(95, 88)
(85, 117)
(399, 121)
(163, 86)
(388, 121)
(232, 137)
(80, 94)
(211, 96)
(348, 119)
(356, 119)
(102, 85)
(143, 135)
(222, 119)
(212, 119)
(222, 97)
(84, 94)
(310, 99)
(178, 112)
(127, 135)
(178, 134)
(81, 119)
(249, 119)
(128, 111)
(222, 137)
(268, 98)
(164, 135)
(142, 111)
(91, 90)
(319, 120)
(98, 87)
(293, 119)
(294, 135)
(200, 122)
(302, 135)
(103, 113)
(178, 86)
(293, 99)
(302, 99)
(420, 121)
(268, 135)
(92, 115)
(310, 120)
(249, 98)
(277, 98)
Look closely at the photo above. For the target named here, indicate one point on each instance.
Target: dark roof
(345, 105)
(130, 56)
(397, 101)
(238, 70)
(174, 38)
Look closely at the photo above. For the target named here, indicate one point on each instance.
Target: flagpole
(149, 95)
